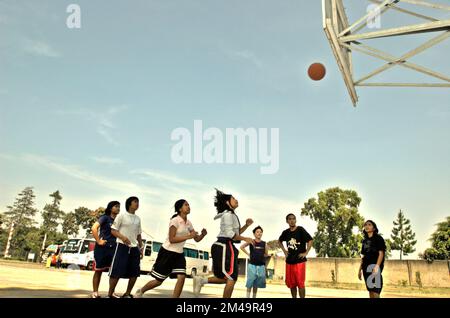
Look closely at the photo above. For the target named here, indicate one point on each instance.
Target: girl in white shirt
(224, 252)
(171, 258)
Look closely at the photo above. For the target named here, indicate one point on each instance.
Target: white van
(80, 252)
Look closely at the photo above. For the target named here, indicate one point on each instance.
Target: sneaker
(113, 296)
(138, 293)
(197, 284)
(127, 296)
(95, 295)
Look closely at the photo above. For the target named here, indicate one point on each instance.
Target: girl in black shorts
(170, 258)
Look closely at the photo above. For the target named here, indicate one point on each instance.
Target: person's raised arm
(200, 236)
(248, 222)
(228, 222)
(244, 248)
(173, 238)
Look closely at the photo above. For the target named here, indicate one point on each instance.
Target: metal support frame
(344, 39)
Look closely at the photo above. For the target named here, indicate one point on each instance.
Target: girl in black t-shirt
(372, 261)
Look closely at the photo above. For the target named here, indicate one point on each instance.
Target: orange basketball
(316, 71)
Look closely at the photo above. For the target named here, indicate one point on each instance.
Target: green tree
(56, 238)
(52, 214)
(440, 243)
(70, 225)
(337, 217)
(388, 252)
(87, 217)
(21, 213)
(403, 238)
(31, 243)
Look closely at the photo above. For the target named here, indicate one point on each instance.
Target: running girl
(171, 258)
(223, 252)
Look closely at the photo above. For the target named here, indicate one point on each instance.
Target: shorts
(126, 262)
(295, 275)
(103, 256)
(168, 262)
(256, 276)
(374, 283)
(225, 259)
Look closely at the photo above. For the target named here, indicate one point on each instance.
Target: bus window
(148, 250)
(188, 252)
(156, 246)
(206, 256)
(200, 254)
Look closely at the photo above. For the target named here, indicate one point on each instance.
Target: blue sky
(90, 111)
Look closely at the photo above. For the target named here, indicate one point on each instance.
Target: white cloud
(103, 120)
(245, 55)
(76, 172)
(165, 177)
(105, 133)
(241, 55)
(107, 160)
(40, 48)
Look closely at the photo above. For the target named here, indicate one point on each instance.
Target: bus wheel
(193, 272)
(90, 266)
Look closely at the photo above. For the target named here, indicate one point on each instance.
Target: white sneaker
(198, 284)
(138, 293)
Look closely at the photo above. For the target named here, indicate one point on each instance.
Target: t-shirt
(370, 249)
(129, 225)
(296, 242)
(229, 225)
(257, 253)
(183, 229)
(106, 221)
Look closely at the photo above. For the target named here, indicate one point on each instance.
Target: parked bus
(197, 261)
(80, 252)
